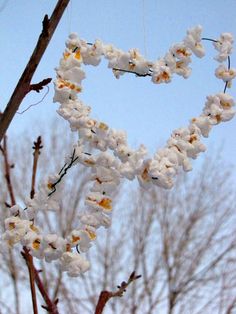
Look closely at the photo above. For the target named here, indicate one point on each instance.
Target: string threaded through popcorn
(113, 158)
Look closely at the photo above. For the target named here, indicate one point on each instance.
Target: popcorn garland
(108, 168)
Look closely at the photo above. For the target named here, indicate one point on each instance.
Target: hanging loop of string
(35, 104)
(69, 16)
(144, 28)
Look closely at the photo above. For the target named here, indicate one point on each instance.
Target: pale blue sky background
(148, 112)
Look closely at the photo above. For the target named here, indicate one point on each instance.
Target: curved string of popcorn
(100, 136)
(115, 159)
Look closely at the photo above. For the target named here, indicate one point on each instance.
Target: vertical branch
(12, 266)
(51, 306)
(37, 146)
(13, 272)
(34, 275)
(58, 284)
(28, 258)
(29, 262)
(8, 167)
(23, 86)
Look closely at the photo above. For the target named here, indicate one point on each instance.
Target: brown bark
(105, 296)
(23, 86)
(51, 306)
(37, 146)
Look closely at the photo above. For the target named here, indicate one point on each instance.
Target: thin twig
(29, 259)
(12, 266)
(58, 284)
(23, 85)
(51, 306)
(37, 146)
(39, 86)
(132, 72)
(33, 273)
(7, 170)
(105, 296)
(29, 262)
(63, 172)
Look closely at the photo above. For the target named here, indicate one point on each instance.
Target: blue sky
(148, 112)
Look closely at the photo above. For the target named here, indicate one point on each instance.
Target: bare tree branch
(39, 86)
(105, 296)
(37, 146)
(23, 86)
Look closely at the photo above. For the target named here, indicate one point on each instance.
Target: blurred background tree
(181, 241)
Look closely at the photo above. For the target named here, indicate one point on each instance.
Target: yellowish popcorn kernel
(106, 203)
(66, 55)
(50, 186)
(179, 64)
(61, 83)
(72, 86)
(35, 229)
(221, 73)
(10, 242)
(36, 244)
(92, 235)
(131, 66)
(225, 105)
(145, 175)
(90, 123)
(92, 53)
(75, 239)
(198, 45)
(89, 162)
(78, 55)
(218, 118)
(78, 89)
(164, 76)
(11, 225)
(68, 247)
(193, 138)
(103, 126)
(183, 52)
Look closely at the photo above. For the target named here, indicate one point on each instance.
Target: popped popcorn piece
(74, 264)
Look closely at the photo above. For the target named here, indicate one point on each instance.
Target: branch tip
(39, 86)
(46, 22)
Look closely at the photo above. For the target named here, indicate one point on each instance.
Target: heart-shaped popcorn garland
(122, 161)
